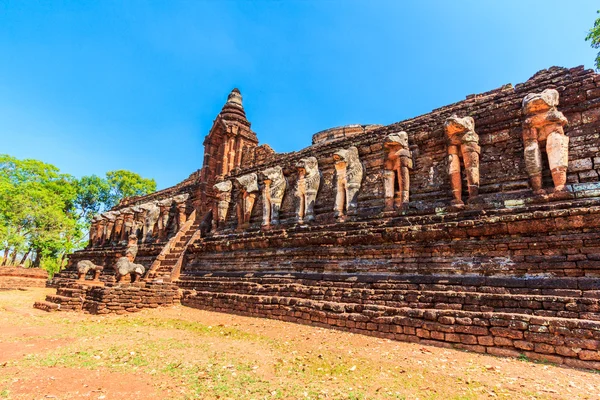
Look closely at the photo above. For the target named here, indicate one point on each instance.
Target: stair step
(69, 292)
(46, 306)
(58, 299)
(168, 262)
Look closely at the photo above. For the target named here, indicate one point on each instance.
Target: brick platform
(97, 298)
(18, 278)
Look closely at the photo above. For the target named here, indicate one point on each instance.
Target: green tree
(127, 184)
(45, 215)
(36, 209)
(93, 196)
(594, 38)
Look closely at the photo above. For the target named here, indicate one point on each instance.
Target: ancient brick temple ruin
(475, 226)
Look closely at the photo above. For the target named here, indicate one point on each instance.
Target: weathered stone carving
(248, 189)
(396, 170)
(223, 191)
(110, 218)
(163, 219)
(307, 186)
(128, 223)
(84, 266)
(180, 203)
(96, 230)
(273, 191)
(544, 125)
(118, 228)
(150, 220)
(132, 248)
(138, 220)
(124, 267)
(463, 143)
(349, 173)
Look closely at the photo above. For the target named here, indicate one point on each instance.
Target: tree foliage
(594, 38)
(124, 183)
(45, 214)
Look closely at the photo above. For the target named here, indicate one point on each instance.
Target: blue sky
(93, 86)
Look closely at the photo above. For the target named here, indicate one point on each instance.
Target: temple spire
(233, 108)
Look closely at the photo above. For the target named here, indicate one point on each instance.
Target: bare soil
(186, 353)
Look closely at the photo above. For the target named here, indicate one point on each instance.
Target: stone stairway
(169, 260)
(166, 266)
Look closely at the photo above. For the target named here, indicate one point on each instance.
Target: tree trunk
(5, 256)
(25, 257)
(38, 259)
(13, 257)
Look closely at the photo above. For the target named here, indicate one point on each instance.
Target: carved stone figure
(95, 230)
(164, 207)
(128, 223)
(307, 186)
(223, 191)
(124, 267)
(273, 191)
(396, 167)
(463, 143)
(84, 266)
(349, 173)
(248, 189)
(180, 201)
(132, 248)
(100, 229)
(152, 214)
(110, 218)
(118, 228)
(544, 126)
(138, 220)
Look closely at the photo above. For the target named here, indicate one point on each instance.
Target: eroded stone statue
(248, 189)
(349, 174)
(463, 143)
(150, 220)
(396, 170)
(138, 220)
(95, 230)
(84, 266)
(164, 207)
(307, 186)
(118, 228)
(132, 248)
(273, 191)
(128, 223)
(180, 203)
(110, 218)
(124, 267)
(544, 126)
(223, 192)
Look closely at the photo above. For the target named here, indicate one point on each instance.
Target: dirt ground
(181, 353)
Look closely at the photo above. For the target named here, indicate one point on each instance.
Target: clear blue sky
(92, 86)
